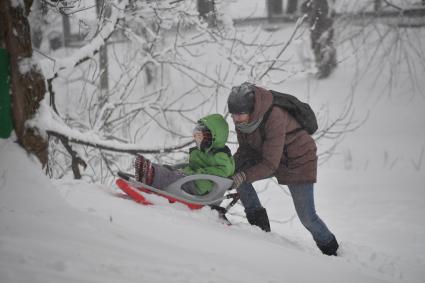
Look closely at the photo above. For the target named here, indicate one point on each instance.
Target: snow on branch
(48, 122)
(52, 67)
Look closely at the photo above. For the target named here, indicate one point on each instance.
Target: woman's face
(240, 118)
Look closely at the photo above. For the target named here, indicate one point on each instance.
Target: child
(210, 156)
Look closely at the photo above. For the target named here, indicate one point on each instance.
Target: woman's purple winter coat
(291, 157)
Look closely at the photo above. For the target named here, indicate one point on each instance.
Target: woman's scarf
(249, 127)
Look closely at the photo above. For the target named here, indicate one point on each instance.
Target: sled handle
(220, 186)
(174, 190)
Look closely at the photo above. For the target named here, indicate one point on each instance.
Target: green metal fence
(5, 106)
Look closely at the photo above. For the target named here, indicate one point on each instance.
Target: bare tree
(389, 41)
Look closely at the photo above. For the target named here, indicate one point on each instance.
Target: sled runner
(174, 192)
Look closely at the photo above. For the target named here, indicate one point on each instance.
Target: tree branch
(119, 147)
(297, 26)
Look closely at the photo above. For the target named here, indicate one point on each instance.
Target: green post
(5, 106)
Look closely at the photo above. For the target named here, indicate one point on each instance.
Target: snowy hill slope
(102, 238)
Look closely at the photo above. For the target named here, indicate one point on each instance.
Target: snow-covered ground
(73, 231)
(370, 193)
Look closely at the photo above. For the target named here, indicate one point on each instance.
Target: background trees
(133, 76)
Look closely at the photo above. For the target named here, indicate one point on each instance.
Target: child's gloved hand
(238, 179)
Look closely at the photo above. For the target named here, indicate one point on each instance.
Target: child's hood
(219, 129)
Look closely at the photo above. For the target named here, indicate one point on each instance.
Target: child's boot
(144, 171)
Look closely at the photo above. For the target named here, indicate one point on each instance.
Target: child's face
(198, 137)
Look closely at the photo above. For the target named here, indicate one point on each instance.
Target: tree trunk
(27, 82)
(292, 7)
(66, 26)
(321, 36)
(274, 7)
(103, 57)
(269, 10)
(277, 6)
(206, 11)
(377, 5)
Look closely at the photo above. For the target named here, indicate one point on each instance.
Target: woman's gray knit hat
(241, 99)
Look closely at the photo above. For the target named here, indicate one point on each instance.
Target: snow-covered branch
(84, 139)
(48, 122)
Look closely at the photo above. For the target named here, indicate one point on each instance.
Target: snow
(224, 15)
(242, 9)
(72, 231)
(75, 231)
(370, 193)
(27, 64)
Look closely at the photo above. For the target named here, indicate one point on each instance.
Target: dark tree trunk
(377, 5)
(206, 9)
(321, 36)
(66, 26)
(269, 10)
(103, 56)
(292, 7)
(277, 6)
(274, 7)
(103, 60)
(27, 83)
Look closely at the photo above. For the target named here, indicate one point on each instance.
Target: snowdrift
(79, 232)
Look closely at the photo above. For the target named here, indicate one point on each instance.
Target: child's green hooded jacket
(215, 160)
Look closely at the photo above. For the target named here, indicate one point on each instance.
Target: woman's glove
(238, 179)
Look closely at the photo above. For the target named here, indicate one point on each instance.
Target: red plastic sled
(136, 193)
